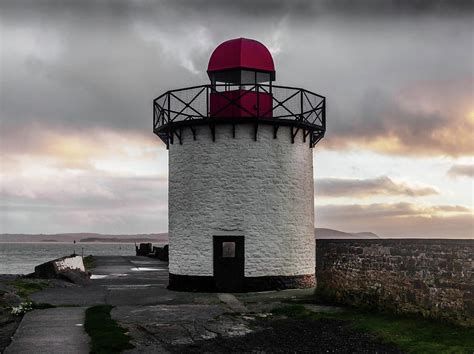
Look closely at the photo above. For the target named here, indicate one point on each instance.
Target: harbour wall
(431, 277)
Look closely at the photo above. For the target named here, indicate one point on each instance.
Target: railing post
(154, 115)
(301, 105)
(207, 102)
(258, 101)
(324, 114)
(169, 107)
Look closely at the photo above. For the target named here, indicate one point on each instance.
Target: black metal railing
(295, 107)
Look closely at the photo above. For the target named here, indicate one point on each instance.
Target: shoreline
(72, 243)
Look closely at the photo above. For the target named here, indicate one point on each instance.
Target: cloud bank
(97, 65)
(461, 171)
(78, 78)
(399, 219)
(346, 187)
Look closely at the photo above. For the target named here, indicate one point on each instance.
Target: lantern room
(235, 68)
(241, 61)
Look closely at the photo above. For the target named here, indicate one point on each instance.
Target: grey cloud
(114, 57)
(399, 220)
(442, 131)
(86, 66)
(105, 74)
(345, 187)
(310, 9)
(394, 8)
(461, 171)
(451, 208)
(86, 191)
(382, 210)
(261, 8)
(65, 220)
(89, 203)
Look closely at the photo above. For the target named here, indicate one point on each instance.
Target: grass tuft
(88, 262)
(413, 334)
(106, 335)
(295, 310)
(25, 287)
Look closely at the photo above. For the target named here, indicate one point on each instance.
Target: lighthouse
(241, 191)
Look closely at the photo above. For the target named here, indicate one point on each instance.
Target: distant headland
(320, 233)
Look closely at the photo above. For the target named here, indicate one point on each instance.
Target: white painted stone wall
(70, 263)
(260, 189)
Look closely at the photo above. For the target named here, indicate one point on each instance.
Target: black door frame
(229, 272)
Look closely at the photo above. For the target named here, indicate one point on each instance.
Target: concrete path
(155, 317)
(121, 281)
(56, 330)
(233, 303)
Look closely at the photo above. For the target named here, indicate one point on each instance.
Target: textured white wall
(260, 189)
(70, 263)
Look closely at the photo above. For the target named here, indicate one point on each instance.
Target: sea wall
(434, 278)
(70, 268)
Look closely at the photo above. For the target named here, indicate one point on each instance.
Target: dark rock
(76, 277)
(10, 299)
(144, 249)
(162, 253)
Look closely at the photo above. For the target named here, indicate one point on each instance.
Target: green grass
(88, 262)
(25, 287)
(106, 335)
(292, 311)
(413, 334)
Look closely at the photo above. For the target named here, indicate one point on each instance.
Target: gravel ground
(8, 326)
(8, 322)
(294, 336)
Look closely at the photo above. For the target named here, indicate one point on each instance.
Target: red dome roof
(241, 53)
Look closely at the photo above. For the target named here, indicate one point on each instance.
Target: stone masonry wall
(432, 277)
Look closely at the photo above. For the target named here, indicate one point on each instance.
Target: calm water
(21, 258)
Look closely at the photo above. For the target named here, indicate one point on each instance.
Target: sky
(77, 81)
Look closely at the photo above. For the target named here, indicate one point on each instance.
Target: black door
(229, 263)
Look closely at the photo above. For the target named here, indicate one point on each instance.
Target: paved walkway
(233, 303)
(154, 316)
(56, 330)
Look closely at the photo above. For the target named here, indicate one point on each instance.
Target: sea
(22, 257)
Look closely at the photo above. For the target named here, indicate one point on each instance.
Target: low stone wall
(432, 277)
(70, 268)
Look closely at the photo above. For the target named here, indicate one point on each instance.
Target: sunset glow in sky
(77, 152)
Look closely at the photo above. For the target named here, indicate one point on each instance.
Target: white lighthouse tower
(241, 202)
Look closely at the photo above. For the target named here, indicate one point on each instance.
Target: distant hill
(85, 237)
(320, 233)
(120, 240)
(366, 235)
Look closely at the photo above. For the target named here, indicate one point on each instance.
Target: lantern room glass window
(240, 77)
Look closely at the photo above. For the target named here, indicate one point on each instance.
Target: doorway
(229, 263)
